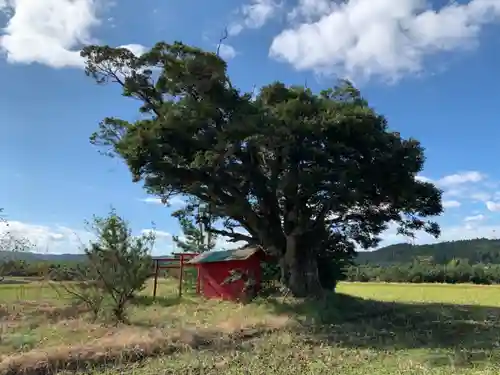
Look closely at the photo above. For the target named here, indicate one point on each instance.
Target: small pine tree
(195, 220)
(120, 261)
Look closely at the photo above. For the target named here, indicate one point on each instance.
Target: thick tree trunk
(299, 270)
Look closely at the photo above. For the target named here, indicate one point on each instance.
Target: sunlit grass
(370, 328)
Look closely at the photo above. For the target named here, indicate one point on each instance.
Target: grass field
(367, 328)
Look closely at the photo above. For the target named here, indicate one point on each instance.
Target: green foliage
(465, 261)
(196, 222)
(306, 175)
(86, 288)
(56, 271)
(480, 250)
(457, 271)
(117, 267)
(10, 244)
(119, 262)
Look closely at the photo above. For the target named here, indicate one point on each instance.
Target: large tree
(306, 175)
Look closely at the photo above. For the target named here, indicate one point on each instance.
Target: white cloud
(481, 196)
(57, 239)
(223, 243)
(455, 192)
(157, 233)
(310, 9)
(49, 32)
(136, 49)
(53, 239)
(470, 229)
(475, 218)
(493, 206)
(461, 178)
(423, 179)
(455, 180)
(383, 38)
(174, 201)
(152, 200)
(255, 15)
(226, 51)
(451, 204)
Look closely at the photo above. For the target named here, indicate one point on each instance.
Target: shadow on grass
(159, 301)
(461, 335)
(14, 282)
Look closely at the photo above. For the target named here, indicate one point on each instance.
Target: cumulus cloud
(493, 206)
(136, 49)
(475, 218)
(51, 32)
(55, 239)
(226, 51)
(58, 239)
(453, 181)
(461, 178)
(451, 204)
(469, 186)
(470, 229)
(480, 196)
(382, 38)
(254, 15)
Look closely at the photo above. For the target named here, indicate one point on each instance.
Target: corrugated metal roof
(225, 256)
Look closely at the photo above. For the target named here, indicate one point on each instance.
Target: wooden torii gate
(177, 262)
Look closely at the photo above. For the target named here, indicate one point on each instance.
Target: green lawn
(369, 328)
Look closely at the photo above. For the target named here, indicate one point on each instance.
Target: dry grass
(372, 328)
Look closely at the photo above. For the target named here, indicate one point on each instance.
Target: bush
(119, 262)
(117, 267)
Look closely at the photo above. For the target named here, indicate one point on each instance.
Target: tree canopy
(306, 175)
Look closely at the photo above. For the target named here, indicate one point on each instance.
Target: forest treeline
(456, 271)
(468, 261)
(481, 250)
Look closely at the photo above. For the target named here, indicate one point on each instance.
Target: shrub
(119, 261)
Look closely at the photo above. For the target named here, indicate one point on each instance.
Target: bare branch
(224, 36)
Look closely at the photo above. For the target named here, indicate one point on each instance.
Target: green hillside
(476, 251)
(480, 250)
(33, 257)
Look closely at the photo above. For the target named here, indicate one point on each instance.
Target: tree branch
(222, 38)
(235, 237)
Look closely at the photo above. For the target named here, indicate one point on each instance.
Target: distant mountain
(479, 250)
(56, 258)
(33, 257)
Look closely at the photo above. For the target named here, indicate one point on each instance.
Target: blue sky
(431, 68)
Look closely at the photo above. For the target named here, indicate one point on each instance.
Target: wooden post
(157, 270)
(198, 281)
(181, 275)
